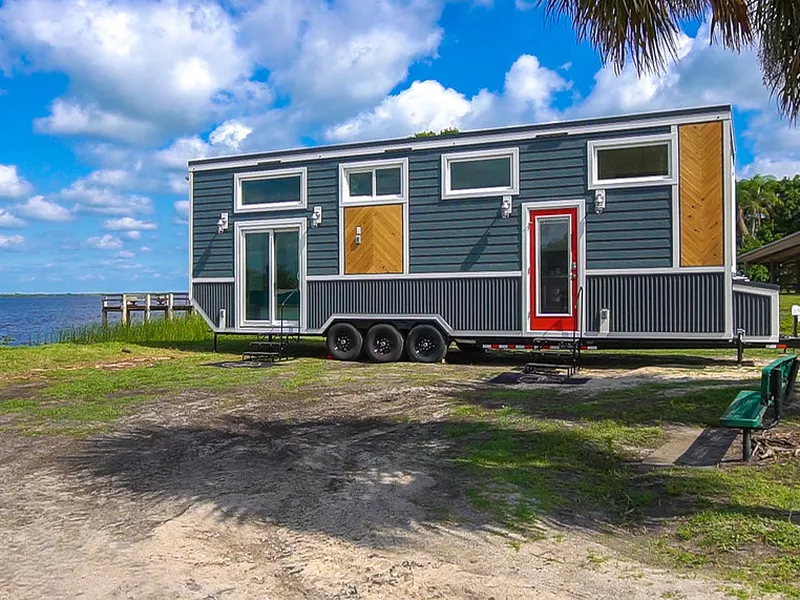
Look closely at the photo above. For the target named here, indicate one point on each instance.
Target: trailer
(605, 232)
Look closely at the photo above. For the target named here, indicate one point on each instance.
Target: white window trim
(240, 178)
(344, 202)
(372, 165)
(511, 190)
(668, 139)
(242, 228)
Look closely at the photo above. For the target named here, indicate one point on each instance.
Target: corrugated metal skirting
(753, 313)
(679, 303)
(213, 296)
(491, 304)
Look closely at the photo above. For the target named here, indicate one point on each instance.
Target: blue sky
(103, 101)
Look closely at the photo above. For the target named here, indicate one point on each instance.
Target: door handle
(358, 234)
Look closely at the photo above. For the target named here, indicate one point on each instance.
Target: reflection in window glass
(287, 269)
(257, 277)
(271, 191)
(387, 182)
(554, 267)
(361, 184)
(639, 161)
(483, 173)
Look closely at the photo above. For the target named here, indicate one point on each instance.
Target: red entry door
(553, 269)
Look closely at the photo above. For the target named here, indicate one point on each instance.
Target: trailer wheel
(344, 342)
(384, 343)
(426, 344)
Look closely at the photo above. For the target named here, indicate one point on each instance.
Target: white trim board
(656, 271)
(494, 136)
(191, 233)
(213, 280)
(453, 275)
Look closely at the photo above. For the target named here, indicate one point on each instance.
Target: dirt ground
(343, 495)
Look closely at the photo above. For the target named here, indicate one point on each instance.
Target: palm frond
(778, 25)
(645, 31)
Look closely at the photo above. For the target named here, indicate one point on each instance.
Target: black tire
(426, 344)
(344, 342)
(383, 343)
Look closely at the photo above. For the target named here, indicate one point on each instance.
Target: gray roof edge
(779, 245)
(535, 128)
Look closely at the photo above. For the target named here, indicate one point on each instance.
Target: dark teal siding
(213, 194)
(459, 235)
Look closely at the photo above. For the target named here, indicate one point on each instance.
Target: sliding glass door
(270, 271)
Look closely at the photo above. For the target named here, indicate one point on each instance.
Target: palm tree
(645, 31)
(755, 200)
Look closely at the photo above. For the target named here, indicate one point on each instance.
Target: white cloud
(226, 138)
(12, 185)
(182, 208)
(766, 165)
(341, 56)
(93, 198)
(428, 105)
(9, 221)
(144, 249)
(158, 66)
(68, 117)
(106, 242)
(425, 105)
(128, 224)
(125, 254)
(229, 135)
(177, 183)
(132, 235)
(39, 209)
(531, 87)
(12, 241)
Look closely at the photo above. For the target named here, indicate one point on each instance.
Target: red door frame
(556, 322)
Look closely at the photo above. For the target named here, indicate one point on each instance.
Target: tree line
(767, 209)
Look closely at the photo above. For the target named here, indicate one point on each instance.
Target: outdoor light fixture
(505, 208)
(316, 217)
(599, 201)
(222, 224)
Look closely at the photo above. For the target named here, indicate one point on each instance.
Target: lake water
(38, 319)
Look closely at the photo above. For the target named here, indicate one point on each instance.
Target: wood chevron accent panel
(701, 189)
(381, 247)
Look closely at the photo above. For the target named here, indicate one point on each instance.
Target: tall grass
(191, 328)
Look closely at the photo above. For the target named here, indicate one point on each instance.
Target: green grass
(180, 330)
(696, 403)
(787, 300)
(572, 457)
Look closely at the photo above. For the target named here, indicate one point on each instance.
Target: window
(480, 174)
(375, 182)
(270, 190)
(632, 162)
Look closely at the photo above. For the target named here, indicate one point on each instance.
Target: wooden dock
(126, 305)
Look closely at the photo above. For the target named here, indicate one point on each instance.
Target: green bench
(747, 410)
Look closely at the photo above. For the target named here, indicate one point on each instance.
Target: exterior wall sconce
(222, 224)
(316, 217)
(599, 201)
(505, 208)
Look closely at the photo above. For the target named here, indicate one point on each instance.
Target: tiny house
(615, 231)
